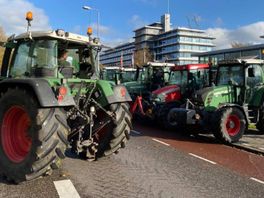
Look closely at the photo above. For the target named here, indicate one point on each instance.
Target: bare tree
(236, 44)
(142, 56)
(2, 38)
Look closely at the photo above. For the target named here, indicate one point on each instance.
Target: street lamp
(98, 16)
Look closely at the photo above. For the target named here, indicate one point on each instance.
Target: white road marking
(66, 189)
(160, 142)
(201, 158)
(257, 180)
(136, 132)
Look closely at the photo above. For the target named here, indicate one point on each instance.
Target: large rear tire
(230, 125)
(116, 134)
(32, 139)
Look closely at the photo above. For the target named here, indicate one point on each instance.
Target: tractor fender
(40, 88)
(120, 94)
(223, 106)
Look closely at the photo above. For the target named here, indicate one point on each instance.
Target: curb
(248, 148)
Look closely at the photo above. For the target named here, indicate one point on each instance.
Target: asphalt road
(153, 165)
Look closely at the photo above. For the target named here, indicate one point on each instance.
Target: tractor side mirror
(251, 72)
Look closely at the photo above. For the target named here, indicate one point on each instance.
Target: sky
(226, 20)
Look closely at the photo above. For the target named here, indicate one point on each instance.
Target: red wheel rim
(233, 125)
(14, 134)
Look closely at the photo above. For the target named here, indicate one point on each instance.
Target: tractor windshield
(36, 54)
(178, 77)
(127, 76)
(227, 74)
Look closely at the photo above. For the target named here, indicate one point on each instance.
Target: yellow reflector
(29, 16)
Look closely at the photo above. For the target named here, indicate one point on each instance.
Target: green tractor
(228, 108)
(48, 103)
(183, 81)
(148, 78)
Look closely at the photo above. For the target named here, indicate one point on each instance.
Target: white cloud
(115, 42)
(249, 34)
(137, 22)
(13, 12)
(103, 30)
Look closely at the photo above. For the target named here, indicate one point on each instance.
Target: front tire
(230, 125)
(167, 117)
(32, 139)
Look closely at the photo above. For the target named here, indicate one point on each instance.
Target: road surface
(155, 164)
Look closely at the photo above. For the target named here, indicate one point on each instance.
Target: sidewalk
(252, 141)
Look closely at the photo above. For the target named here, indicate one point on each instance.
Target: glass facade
(214, 57)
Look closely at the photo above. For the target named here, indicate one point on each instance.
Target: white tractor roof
(156, 64)
(111, 68)
(57, 34)
(129, 69)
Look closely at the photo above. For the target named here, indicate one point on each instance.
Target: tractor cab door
(254, 79)
(9, 48)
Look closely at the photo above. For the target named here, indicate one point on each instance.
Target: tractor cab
(241, 78)
(190, 77)
(149, 77)
(51, 54)
(109, 74)
(157, 74)
(117, 75)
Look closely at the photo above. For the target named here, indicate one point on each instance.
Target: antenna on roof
(168, 6)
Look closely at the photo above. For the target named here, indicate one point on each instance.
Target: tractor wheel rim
(14, 134)
(233, 125)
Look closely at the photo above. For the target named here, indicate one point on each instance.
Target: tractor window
(22, 60)
(45, 54)
(178, 77)
(234, 74)
(128, 76)
(257, 79)
(201, 78)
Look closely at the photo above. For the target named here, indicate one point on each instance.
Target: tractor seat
(67, 72)
(43, 72)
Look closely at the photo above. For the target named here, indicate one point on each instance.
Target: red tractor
(183, 81)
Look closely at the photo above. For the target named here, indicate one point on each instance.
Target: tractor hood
(212, 98)
(167, 94)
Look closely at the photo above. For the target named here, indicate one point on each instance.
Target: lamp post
(98, 17)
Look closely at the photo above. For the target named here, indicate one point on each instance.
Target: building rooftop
(228, 50)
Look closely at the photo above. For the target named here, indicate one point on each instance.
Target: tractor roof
(155, 64)
(244, 61)
(111, 68)
(129, 69)
(190, 67)
(57, 34)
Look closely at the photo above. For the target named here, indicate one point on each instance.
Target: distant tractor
(118, 75)
(229, 107)
(183, 81)
(50, 101)
(149, 77)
